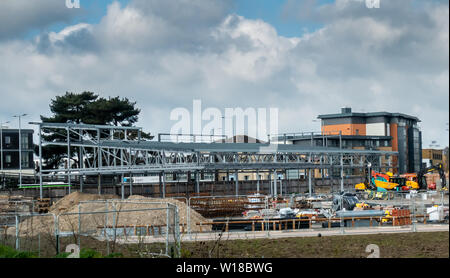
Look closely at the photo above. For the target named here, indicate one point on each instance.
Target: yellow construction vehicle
(379, 182)
(419, 181)
(387, 216)
(362, 205)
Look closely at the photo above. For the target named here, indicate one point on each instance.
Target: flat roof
(335, 136)
(5, 130)
(367, 115)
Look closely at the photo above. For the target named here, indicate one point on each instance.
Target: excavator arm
(421, 176)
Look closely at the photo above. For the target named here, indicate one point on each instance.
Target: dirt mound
(91, 222)
(73, 199)
(183, 209)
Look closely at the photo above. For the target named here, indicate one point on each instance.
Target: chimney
(346, 110)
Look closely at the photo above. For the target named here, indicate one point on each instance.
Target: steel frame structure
(104, 152)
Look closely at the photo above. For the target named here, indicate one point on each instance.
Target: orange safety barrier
(401, 217)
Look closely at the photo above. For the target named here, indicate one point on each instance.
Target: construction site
(158, 195)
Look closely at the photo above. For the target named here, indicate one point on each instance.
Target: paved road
(297, 233)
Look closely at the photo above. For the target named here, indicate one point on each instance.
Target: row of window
(25, 159)
(25, 141)
(356, 143)
(437, 156)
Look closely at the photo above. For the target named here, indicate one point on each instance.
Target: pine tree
(84, 108)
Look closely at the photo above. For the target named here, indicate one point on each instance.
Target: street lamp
(1, 141)
(20, 148)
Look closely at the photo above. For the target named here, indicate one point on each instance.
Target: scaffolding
(117, 150)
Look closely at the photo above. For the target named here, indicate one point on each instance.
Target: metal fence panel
(33, 233)
(136, 228)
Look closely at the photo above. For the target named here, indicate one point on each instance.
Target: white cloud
(145, 52)
(20, 16)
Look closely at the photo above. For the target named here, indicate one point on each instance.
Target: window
(24, 142)
(223, 178)
(246, 177)
(25, 160)
(357, 131)
(7, 140)
(8, 159)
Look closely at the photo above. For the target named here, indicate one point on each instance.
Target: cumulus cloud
(21, 16)
(164, 54)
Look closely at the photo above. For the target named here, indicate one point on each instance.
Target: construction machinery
(345, 201)
(419, 179)
(378, 182)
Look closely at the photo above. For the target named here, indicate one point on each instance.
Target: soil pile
(71, 201)
(67, 208)
(183, 210)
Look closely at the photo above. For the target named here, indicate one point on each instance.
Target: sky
(305, 58)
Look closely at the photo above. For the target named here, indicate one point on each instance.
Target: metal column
(309, 182)
(197, 183)
(164, 184)
(257, 181)
(99, 184)
(275, 183)
(68, 158)
(122, 185)
(342, 161)
(40, 162)
(237, 182)
(131, 184)
(81, 159)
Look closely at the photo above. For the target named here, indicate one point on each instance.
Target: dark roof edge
(365, 115)
(17, 130)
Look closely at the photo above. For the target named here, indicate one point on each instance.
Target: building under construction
(130, 165)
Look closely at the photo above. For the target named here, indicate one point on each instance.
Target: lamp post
(1, 141)
(20, 148)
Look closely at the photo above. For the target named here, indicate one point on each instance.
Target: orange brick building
(379, 130)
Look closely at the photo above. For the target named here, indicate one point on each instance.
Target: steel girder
(100, 156)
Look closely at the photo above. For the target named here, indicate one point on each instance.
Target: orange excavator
(378, 182)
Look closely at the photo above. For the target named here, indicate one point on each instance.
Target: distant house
(370, 131)
(10, 149)
(241, 139)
